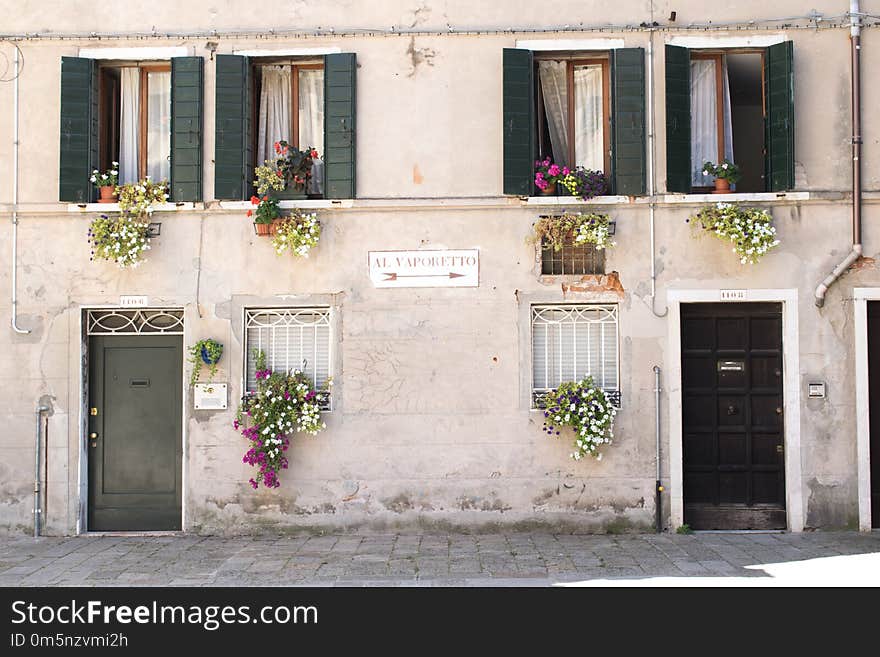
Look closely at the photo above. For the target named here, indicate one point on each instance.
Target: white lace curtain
(129, 124)
(274, 123)
(311, 121)
(159, 125)
(589, 137)
(704, 118)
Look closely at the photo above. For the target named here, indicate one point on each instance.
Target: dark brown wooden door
(135, 432)
(732, 421)
(874, 406)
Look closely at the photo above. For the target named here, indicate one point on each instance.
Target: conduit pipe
(37, 460)
(14, 319)
(651, 174)
(856, 252)
(658, 487)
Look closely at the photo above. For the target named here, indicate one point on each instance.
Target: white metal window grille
(117, 321)
(569, 342)
(291, 338)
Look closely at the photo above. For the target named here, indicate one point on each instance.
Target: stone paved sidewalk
(527, 559)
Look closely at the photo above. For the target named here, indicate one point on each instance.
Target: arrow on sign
(393, 275)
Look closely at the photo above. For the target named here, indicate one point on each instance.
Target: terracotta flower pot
(263, 229)
(549, 191)
(722, 186)
(108, 194)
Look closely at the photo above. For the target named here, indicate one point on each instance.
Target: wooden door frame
(794, 506)
(861, 297)
(82, 451)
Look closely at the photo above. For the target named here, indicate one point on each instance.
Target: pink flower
(553, 170)
(565, 171)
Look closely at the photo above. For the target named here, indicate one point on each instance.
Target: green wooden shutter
(232, 128)
(628, 161)
(779, 83)
(519, 122)
(340, 134)
(187, 76)
(678, 119)
(79, 129)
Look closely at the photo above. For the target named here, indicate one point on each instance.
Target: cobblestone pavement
(527, 559)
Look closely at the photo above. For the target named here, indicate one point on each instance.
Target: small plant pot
(108, 194)
(206, 357)
(549, 191)
(722, 186)
(264, 230)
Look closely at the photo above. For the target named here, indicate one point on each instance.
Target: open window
(573, 110)
(307, 102)
(581, 108)
(145, 115)
(135, 120)
(733, 104)
(289, 99)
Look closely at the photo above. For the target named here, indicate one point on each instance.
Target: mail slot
(731, 365)
(139, 383)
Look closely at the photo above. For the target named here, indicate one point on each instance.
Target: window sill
(114, 207)
(316, 204)
(573, 200)
(734, 197)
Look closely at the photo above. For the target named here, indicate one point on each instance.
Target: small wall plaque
(131, 301)
(817, 390)
(734, 295)
(209, 396)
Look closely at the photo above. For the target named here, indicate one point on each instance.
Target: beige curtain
(311, 121)
(704, 118)
(554, 89)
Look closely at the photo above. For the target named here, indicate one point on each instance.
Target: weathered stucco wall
(431, 425)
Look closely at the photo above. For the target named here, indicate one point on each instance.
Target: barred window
(292, 338)
(571, 341)
(572, 258)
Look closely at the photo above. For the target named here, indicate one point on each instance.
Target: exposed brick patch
(864, 263)
(590, 283)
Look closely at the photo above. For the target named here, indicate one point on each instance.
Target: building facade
(427, 118)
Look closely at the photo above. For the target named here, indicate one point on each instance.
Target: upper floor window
(584, 107)
(146, 116)
(291, 109)
(307, 102)
(730, 104)
(135, 120)
(573, 111)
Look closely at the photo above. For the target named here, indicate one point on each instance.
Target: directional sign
(447, 268)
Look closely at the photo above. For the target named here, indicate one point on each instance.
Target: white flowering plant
(750, 230)
(298, 234)
(725, 170)
(586, 408)
(284, 403)
(121, 239)
(106, 179)
(138, 198)
(579, 227)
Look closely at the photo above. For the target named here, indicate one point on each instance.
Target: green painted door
(134, 437)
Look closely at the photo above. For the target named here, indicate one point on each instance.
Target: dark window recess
(575, 259)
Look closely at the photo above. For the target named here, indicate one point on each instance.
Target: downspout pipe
(856, 252)
(38, 457)
(658, 486)
(16, 71)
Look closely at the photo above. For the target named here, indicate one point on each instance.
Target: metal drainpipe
(14, 322)
(37, 460)
(855, 254)
(658, 487)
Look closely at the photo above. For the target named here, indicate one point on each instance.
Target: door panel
(135, 437)
(874, 406)
(732, 416)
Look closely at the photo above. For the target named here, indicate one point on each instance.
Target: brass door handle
(93, 437)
